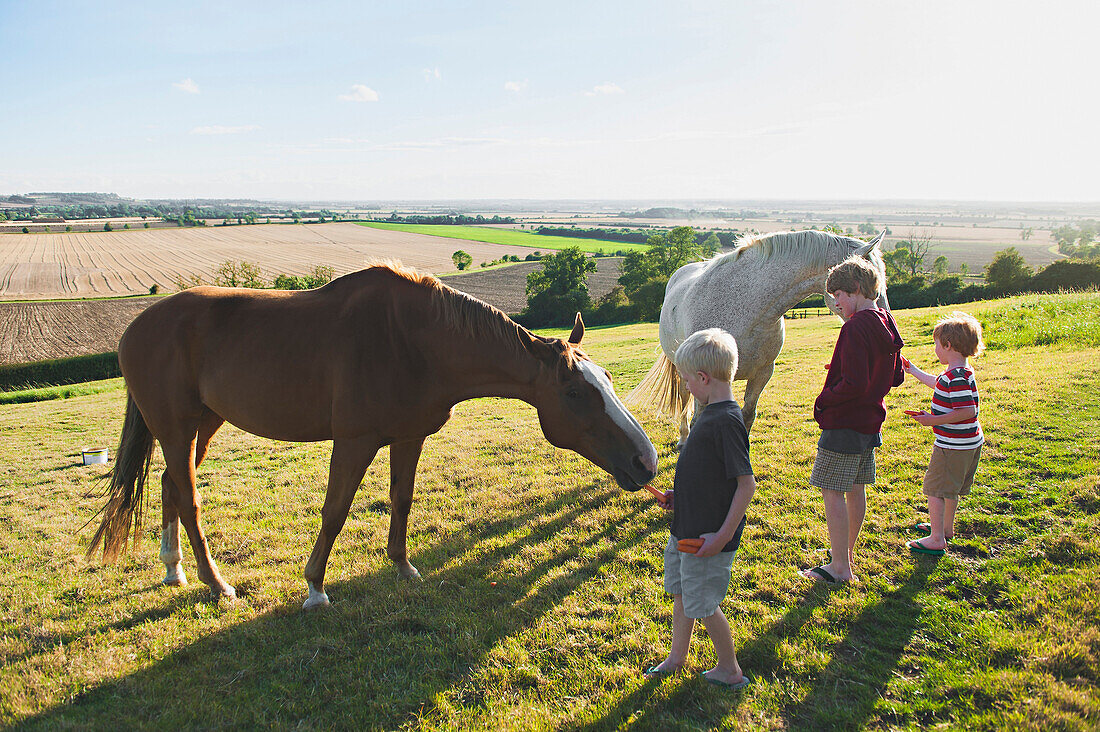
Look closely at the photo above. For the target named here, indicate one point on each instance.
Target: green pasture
(513, 237)
(541, 597)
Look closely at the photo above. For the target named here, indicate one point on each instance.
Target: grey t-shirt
(715, 455)
(848, 442)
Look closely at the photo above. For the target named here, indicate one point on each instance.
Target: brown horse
(377, 357)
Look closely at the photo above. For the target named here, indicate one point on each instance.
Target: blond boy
(711, 493)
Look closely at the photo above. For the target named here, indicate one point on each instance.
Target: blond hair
(713, 351)
(854, 274)
(961, 332)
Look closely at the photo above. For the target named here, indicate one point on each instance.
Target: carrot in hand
(659, 495)
(690, 546)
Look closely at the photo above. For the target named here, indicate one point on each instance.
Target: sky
(638, 100)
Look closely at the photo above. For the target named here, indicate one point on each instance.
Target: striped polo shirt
(956, 389)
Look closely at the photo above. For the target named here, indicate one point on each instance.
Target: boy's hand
(711, 545)
(924, 418)
(669, 498)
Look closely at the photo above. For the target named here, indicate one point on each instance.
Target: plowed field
(104, 264)
(36, 331)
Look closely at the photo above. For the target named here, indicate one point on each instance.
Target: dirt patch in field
(38, 331)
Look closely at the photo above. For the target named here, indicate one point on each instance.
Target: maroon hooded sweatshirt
(866, 364)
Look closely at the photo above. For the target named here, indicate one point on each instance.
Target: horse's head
(579, 411)
(871, 251)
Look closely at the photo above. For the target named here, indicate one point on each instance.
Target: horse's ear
(578, 331)
(864, 250)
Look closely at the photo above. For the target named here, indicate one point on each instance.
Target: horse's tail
(122, 513)
(660, 389)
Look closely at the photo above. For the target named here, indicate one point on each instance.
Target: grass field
(541, 599)
(511, 237)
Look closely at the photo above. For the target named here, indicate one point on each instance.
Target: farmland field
(36, 331)
(99, 264)
(510, 237)
(541, 600)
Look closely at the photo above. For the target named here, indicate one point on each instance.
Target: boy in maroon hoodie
(866, 364)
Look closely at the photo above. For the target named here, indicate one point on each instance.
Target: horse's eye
(573, 394)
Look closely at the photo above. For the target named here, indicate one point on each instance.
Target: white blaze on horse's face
(619, 414)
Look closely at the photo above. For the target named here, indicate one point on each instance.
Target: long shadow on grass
(698, 705)
(386, 652)
(845, 693)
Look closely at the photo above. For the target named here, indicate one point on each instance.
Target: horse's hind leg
(350, 459)
(179, 457)
(753, 388)
(170, 552)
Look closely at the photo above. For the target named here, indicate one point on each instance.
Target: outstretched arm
(923, 377)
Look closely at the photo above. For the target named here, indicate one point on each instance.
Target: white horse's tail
(660, 389)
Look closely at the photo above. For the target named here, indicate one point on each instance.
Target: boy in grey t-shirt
(711, 492)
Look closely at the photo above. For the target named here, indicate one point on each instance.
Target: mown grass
(512, 237)
(541, 599)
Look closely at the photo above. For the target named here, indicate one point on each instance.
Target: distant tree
(239, 274)
(711, 245)
(867, 228)
(70, 227)
(26, 230)
(461, 259)
(939, 267)
(126, 226)
(1008, 272)
(107, 226)
(1025, 234)
(560, 289)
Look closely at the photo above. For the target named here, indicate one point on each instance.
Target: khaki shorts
(951, 472)
(840, 471)
(701, 582)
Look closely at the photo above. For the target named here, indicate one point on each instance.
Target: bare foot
(664, 668)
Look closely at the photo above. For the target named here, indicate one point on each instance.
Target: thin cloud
(515, 86)
(605, 88)
(188, 85)
(223, 129)
(359, 93)
(430, 74)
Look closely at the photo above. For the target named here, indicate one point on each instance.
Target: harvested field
(106, 264)
(37, 331)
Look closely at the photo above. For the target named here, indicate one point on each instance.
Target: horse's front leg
(403, 459)
(350, 459)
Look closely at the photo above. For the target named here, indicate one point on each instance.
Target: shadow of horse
(386, 653)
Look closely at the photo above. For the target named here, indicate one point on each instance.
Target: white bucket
(94, 455)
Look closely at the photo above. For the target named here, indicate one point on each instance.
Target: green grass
(1002, 633)
(47, 393)
(512, 237)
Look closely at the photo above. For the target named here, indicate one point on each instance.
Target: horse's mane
(466, 315)
(812, 247)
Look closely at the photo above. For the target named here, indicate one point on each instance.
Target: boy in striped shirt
(954, 420)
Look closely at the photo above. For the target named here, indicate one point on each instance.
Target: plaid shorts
(839, 472)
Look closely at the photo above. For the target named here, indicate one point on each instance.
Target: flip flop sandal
(917, 547)
(745, 681)
(825, 575)
(927, 529)
(657, 673)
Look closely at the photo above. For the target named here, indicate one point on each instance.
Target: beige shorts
(951, 472)
(701, 582)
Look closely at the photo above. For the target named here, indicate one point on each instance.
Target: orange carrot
(659, 495)
(689, 546)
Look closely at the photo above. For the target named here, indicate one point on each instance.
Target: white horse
(745, 292)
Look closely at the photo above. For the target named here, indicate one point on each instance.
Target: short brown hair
(962, 332)
(853, 275)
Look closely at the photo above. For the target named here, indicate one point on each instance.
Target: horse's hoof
(227, 592)
(408, 574)
(317, 598)
(174, 581)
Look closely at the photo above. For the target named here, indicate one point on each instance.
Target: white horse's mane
(812, 247)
